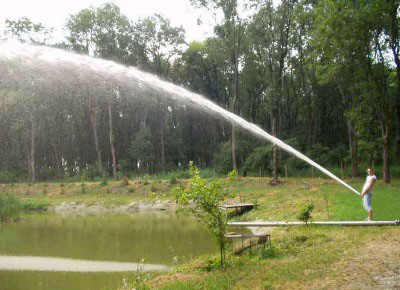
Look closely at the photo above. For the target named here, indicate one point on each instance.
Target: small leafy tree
(305, 214)
(206, 197)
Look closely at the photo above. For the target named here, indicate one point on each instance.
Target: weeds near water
(139, 281)
(10, 208)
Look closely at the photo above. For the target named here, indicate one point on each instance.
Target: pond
(95, 251)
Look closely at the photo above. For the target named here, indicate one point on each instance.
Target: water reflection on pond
(155, 237)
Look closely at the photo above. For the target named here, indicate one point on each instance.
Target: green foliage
(35, 205)
(172, 179)
(261, 157)
(206, 197)
(305, 213)
(233, 175)
(83, 188)
(10, 208)
(91, 172)
(8, 176)
(104, 182)
(223, 157)
(142, 148)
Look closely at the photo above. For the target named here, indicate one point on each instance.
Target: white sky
(55, 12)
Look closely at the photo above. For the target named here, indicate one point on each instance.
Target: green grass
(32, 205)
(299, 255)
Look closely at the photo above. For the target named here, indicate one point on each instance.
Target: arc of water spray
(207, 106)
(110, 68)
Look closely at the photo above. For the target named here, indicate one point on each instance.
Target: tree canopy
(323, 75)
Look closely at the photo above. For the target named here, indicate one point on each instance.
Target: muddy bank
(136, 206)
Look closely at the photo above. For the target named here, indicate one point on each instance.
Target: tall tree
(232, 32)
(270, 33)
(357, 24)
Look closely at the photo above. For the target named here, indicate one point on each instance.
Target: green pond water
(158, 238)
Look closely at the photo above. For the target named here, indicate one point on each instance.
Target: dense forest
(322, 75)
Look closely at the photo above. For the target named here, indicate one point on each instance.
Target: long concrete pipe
(333, 223)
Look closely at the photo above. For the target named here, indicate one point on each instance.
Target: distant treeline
(323, 76)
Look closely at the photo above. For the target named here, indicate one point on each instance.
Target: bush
(104, 182)
(91, 172)
(207, 197)
(172, 179)
(34, 206)
(261, 157)
(10, 208)
(83, 188)
(8, 177)
(305, 213)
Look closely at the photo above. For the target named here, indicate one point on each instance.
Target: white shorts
(367, 201)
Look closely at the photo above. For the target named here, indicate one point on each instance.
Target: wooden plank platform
(261, 239)
(240, 206)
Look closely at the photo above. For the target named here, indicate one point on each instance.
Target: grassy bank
(304, 257)
(301, 258)
(107, 192)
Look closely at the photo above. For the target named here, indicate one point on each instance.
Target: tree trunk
(162, 141)
(398, 134)
(398, 111)
(275, 151)
(32, 150)
(353, 149)
(385, 128)
(394, 45)
(57, 162)
(234, 162)
(233, 105)
(93, 122)
(114, 162)
(386, 161)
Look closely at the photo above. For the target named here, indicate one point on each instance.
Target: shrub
(104, 182)
(125, 181)
(8, 177)
(10, 208)
(34, 206)
(305, 213)
(83, 189)
(261, 157)
(172, 179)
(207, 197)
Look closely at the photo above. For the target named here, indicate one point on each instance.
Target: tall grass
(10, 208)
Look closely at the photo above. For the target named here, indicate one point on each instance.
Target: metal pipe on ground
(332, 223)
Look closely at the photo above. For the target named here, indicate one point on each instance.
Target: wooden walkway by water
(239, 207)
(248, 241)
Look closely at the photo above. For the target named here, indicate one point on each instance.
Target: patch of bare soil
(167, 279)
(374, 265)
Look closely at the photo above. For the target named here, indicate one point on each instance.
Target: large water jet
(72, 66)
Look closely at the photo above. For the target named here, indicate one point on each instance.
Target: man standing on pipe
(366, 193)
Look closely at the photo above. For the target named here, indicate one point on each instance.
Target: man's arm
(371, 183)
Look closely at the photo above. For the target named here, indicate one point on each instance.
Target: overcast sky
(55, 12)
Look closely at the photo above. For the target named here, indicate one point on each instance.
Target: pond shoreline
(136, 206)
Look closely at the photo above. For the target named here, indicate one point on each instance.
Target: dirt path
(375, 265)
